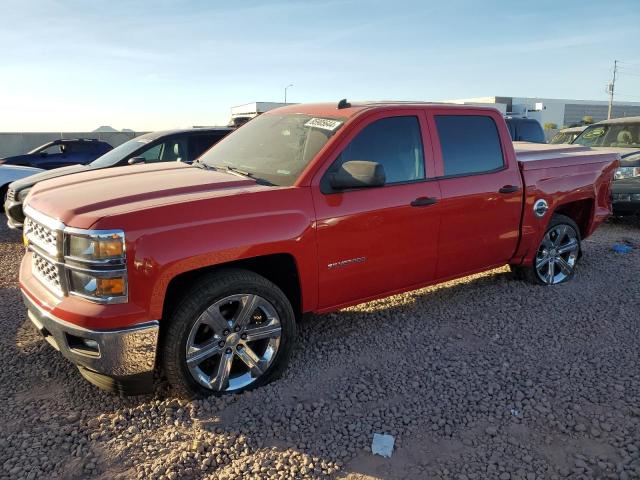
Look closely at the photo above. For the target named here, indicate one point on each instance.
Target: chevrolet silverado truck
(200, 271)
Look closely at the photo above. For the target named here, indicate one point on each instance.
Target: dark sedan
(60, 153)
(174, 145)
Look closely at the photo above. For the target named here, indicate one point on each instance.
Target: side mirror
(134, 160)
(358, 174)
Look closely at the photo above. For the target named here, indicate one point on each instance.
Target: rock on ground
(483, 377)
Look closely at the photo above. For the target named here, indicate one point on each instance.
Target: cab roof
(350, 109)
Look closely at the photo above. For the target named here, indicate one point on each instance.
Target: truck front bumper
(626, 196)
(121, 360)
(13, 210)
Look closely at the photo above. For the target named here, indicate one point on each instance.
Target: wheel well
(278, 268)
(580, 211)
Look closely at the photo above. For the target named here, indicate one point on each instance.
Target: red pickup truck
(202, 270)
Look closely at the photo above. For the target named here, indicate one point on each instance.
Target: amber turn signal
(108, 287)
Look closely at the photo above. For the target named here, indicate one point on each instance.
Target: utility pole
(612, 86)
(285, 92)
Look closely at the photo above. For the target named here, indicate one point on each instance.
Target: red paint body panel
(472, 204)
(348, 247)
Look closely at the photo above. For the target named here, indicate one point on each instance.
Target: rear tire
(557, 255)
(232, 331)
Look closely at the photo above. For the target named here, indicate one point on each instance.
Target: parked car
(567, 135)
(307, 208)
(181, 145)
(9, 173)
(623, 136)
(525, 130)
(60, 153)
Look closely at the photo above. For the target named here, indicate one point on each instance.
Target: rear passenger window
(395, 143)
(470, 144)
(531, 131)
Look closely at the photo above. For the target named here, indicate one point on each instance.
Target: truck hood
(82, 199)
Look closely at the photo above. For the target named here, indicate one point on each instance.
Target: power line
(631, 73)
(629, 63)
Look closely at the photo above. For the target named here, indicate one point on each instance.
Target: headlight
(22, 194)
(626, 197)
(627, 172)
(96, 264)
(97, 247)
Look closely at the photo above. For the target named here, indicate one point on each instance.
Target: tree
(550, 126)
(587, 120)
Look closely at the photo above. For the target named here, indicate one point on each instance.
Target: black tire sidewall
(208, 290)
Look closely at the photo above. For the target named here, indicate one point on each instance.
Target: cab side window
(152, 154)
(395, 143)
(470, 144)
(168, 151)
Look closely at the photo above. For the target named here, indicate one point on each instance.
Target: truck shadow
(37, 375)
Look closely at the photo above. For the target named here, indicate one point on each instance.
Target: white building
(253, 109)
(562, 112)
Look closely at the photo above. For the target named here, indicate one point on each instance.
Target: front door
(373, 241)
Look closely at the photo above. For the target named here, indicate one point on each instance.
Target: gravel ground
(485, 377)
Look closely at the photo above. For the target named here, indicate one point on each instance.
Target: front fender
(272, 224)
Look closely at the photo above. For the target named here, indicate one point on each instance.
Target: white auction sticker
(324, 123)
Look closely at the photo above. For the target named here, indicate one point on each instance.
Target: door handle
(509, 189)
(424, 201)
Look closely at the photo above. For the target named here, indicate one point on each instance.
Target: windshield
(625, 135)
(40, 148)
(562, 137)
(112, 157)
(273, 148)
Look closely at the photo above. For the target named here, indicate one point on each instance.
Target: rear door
(376, 240)
(481, 190)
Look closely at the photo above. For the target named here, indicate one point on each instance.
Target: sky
(75, 65)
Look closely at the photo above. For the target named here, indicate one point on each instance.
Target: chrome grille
(47, 272)
(11, 195)
(42, 236)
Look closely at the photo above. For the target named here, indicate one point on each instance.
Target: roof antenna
(343, 104)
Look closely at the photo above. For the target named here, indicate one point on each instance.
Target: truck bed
(572, 179)
(535, 156)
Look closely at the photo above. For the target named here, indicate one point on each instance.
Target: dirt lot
(486, 377)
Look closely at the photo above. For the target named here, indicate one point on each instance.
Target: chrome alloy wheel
(557, 255)
(233, 342)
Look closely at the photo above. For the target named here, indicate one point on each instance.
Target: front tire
(557, 255)
(233, 331)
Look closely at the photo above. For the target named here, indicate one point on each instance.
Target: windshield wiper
(243, 173)
(202, 165)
